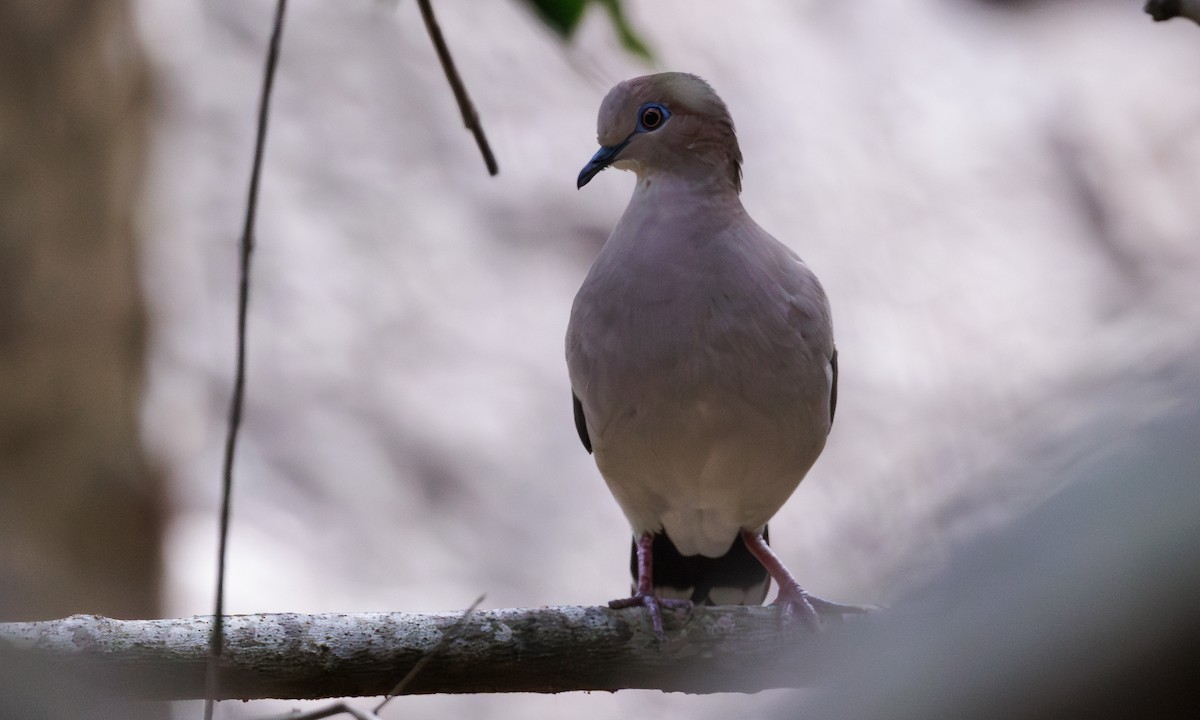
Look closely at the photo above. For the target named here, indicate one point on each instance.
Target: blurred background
(1001, 199)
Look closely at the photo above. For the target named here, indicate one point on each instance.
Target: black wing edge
(832, 393)
(581, 422)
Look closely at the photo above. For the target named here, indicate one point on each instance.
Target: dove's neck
(699, 175)
(685, 200)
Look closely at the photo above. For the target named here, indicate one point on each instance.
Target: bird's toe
(654, 605)
(795, 605)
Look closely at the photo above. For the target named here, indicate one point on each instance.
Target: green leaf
(562, 16)
(630, 40)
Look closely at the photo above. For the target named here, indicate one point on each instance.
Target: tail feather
(735, 578)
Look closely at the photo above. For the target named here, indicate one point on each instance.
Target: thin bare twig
(470, 117)
(441, 645)
(239, 379)
(342, 707)
(338, 708)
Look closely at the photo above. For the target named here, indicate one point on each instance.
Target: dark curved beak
(604, 157)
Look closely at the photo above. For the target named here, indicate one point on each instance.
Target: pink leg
(792, 598)
(644, 595)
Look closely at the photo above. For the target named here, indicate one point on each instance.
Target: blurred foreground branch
(545, 650)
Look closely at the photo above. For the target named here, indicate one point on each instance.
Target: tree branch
(545, 650)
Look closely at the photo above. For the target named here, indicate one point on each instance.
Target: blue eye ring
(652, 116)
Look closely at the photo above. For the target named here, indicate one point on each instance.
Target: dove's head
(670, 123)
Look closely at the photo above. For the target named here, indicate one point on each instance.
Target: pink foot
(795, 604)
(793, 601)
(654, 605)
(644, 595)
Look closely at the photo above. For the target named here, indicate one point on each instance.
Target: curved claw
(792, 600)
(654, 606)
(828, 607)
(793, 603)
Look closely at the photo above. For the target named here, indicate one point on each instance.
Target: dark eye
(652, 116)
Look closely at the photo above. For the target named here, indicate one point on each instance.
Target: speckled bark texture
(552, 649)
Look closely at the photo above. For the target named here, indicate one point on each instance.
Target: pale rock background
(1002, 199)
